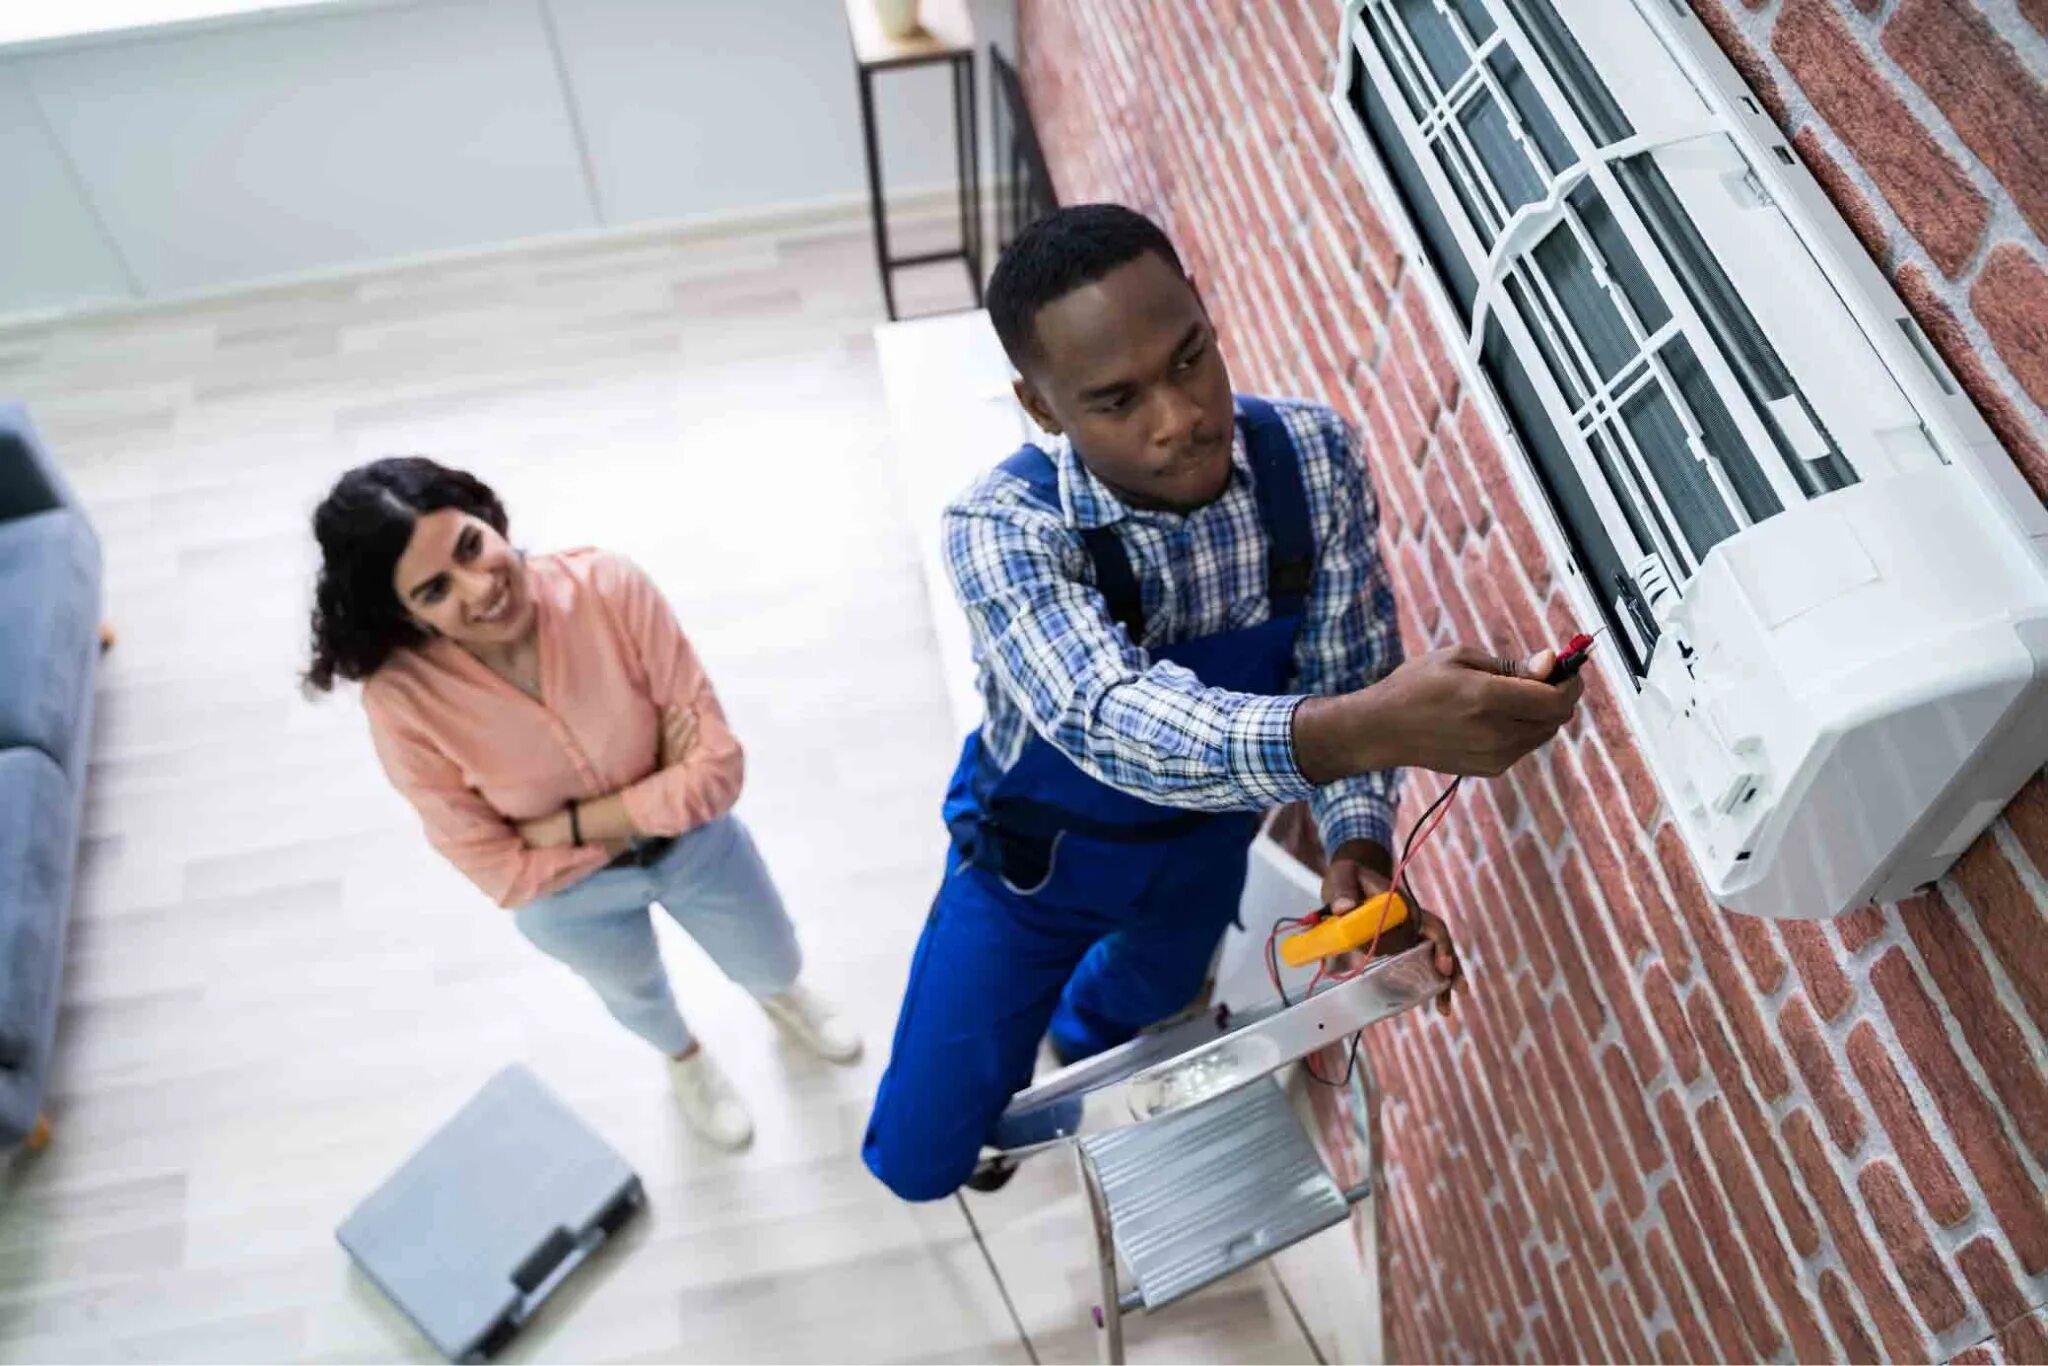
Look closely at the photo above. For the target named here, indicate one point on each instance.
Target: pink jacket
(474, 755)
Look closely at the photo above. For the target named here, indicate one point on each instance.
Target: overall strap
(1114, 578)
(1283, 506)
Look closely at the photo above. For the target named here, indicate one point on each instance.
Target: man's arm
(1147, 727)
(1153, 729)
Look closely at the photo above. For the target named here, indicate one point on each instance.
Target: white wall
(163, 162)
(51, 251)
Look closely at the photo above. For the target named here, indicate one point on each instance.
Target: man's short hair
(1058, 254)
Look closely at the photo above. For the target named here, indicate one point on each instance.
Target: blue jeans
(713, 883)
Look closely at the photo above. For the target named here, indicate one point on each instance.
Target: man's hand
(1457, 711)
(1360, 870)
(678, 736)
(547, 832)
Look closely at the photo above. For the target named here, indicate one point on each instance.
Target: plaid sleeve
(1350, 636)
(1149, 728)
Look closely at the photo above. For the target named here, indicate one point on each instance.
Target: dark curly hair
(363, 526)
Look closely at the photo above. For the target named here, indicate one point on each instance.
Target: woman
(563, 748)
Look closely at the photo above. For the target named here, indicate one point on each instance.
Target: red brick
(1442, 373)
(2001, 413)
(1568, 1189)
(1897, 1218)
(2011, 299)
(1725, 1315)
(1472, 1261)
(1759, 949)
(1534, 790)
(2028, 814)
(1711, 1211)
(1665, 923)
(1773, 1263)
(1465, 478)
(1849, 1326)
(1555, 1323)
(1820, 967)
(1856, 209)
(1894, 1323)
(1738, 1002)
(1414, 588)
(2012, 921)
(2025, 1339)
(1816, 1063)
(1615, 976)
(1443, 503)
(1496, 910)
(1567, 1061)
(1506, 504)
(1671, 1023)
(1604, 855)
(1542, 907)
(1746, 58)
(1458, 616)
(1932, 195)
(1893, 1105)
(2015, 1201)
(1633, 1345)
(1634, 1269)
(2037, 13)
(1635, 1120)
(1583, 1309)
(1408, 369)
(1546, 1214)
(1966, 986)
(1507, 1236)
(1496, 801)
(1504, 577)
(1676, 1288)
(1598, 702)
(1572, 963)
(1564, 622)
(1991, 1280)
(1992, 101)
(1756, 1129)
(1983, 1354)
(1860, 927)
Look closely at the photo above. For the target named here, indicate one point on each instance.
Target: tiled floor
(275, 989)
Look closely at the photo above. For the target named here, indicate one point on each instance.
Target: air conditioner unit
(1826, 581)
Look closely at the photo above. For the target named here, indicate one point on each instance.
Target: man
(1181, 619)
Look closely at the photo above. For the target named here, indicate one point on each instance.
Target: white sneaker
(708, 1102)
(814, 1023)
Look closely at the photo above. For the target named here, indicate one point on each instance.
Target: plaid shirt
(1052, 661)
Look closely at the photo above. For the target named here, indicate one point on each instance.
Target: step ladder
(1194, 1163)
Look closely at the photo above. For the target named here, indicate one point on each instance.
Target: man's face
(1128, 368)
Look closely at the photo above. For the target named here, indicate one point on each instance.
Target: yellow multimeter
(1343, 933)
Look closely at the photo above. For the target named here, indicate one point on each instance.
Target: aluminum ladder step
(1193, 1196)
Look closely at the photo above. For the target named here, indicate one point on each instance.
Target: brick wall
(1652, 1129)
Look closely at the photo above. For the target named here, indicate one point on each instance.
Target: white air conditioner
(1826, 581)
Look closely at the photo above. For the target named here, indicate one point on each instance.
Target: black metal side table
(946, 34)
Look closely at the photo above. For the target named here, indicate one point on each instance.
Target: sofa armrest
(30, 481)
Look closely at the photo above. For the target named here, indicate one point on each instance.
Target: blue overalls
(1066, 903)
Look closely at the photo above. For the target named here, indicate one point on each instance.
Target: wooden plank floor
(274, 989)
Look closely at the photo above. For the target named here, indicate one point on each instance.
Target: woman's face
(459, 577)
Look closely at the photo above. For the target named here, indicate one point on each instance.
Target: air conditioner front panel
(1828, 587)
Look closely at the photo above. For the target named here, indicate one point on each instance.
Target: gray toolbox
(491, 1215)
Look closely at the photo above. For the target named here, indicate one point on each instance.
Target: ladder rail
(1198, 1059)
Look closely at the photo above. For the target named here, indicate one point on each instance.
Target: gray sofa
(49, 648)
